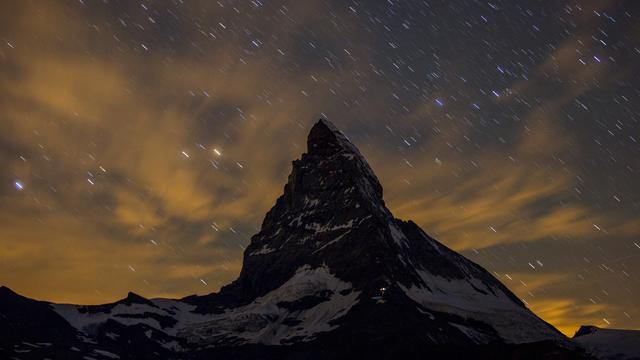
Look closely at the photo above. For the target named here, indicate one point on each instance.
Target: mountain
(609, 344)
(331, 274)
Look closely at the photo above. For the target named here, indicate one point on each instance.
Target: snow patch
(263, 251)
(319, 228)
(611, 343)
(397, 235)
(473, 299)
(263, 321)
(308, 202)
(82, 320)
(178, 310)
(106, 353)
(475, 336)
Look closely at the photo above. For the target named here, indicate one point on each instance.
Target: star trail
(141, 143)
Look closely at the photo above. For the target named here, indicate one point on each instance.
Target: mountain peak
(585, 330)
(325, 139)
(323, 143)
(133, 298)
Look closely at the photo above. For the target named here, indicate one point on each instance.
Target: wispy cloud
(147, 166)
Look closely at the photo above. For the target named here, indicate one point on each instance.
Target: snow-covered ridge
(165, 315)
(473, 299)
(609, 344)
(301, 308)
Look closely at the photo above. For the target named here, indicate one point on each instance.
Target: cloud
(524, 187)
(566, 316)
(116, 150)
(496, 198)
(114, 142)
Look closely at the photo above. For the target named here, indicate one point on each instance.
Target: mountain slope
(609, 344)
(331, 273)
(332, 217)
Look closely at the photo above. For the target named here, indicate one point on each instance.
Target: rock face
(332, 220)
(331, 274)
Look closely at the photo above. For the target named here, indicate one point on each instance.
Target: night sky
(141, 143)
